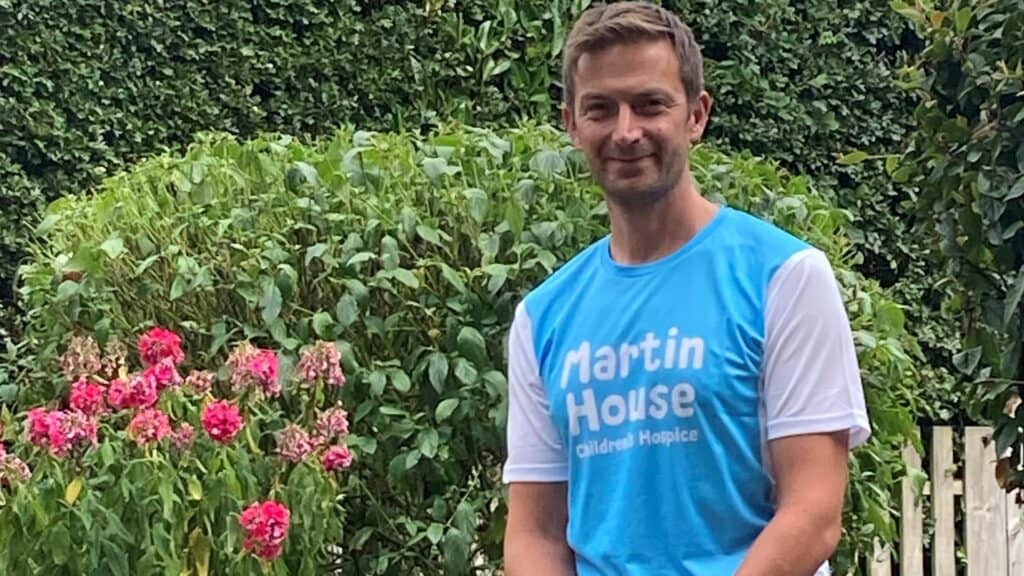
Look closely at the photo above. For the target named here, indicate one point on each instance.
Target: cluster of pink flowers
(254, 368)
(295, 444)
(61, 431)
(266, 527)
(101, 385)
(321, 363)
(222, 421)
(87, 397)
(149, 426)
(160, 344)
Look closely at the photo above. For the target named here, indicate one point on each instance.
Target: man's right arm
(537, 469)
(535, 542)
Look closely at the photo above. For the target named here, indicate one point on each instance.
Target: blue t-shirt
(653, 390)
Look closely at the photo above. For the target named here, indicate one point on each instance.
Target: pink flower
(61, 431)
(253, 367)
(183, 437)
(221, 421)
(200, 381)
(139, 392)
(148, 426)
(160, 344)
(266, 526)
(37, 420)
(321, 362)
(87, 397)
(263, 367)
(333, 423)
(337, 457)
(293, 443)
(163, 373)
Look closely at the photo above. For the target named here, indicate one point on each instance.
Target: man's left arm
(815, 412)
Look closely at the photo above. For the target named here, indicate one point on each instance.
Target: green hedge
(89, 87)
(411, 252)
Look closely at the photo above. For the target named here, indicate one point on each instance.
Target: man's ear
(569, 121)
(700, 112)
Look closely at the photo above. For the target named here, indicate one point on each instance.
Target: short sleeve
(535, 451)
(812, 381)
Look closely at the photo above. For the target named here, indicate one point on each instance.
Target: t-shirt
(653, 390)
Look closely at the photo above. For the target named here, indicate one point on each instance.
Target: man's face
(631, 119)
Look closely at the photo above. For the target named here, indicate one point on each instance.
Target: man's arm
(811, 474)
(816, 413)
(536, 470)
(535, 533)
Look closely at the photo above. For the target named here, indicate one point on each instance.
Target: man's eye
(651, 106)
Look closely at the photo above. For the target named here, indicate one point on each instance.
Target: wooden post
(985, 511)
(1015, 535)
(943, 502)
(911, 520)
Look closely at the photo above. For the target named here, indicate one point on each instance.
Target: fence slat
(1015, 535)
(985, 507)
(911, 520)
(943, 502)
(881, 562)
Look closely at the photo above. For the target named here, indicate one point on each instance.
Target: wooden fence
(992, 526)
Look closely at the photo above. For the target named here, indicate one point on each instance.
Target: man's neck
(644, 234)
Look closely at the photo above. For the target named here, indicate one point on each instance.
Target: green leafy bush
(967, 158)
(158, 471)
(410, 252)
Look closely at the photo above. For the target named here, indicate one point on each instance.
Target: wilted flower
(294, 443)
(266, 527)
(13, 470)
(222, 421)
(321, 362)
(81, 359)
(337, 457)
(332, 423)
(149, 425)
(87, 397)
(200, 381)
(183, 437)
(160, 344)
(115, 357)
(253, 367)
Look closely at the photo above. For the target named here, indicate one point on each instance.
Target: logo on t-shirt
(648, 400)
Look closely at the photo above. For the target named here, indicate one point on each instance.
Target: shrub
(159, 470)
(967, 158)
(410, 252)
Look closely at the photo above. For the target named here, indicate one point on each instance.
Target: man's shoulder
(752, 229)
(579, 268)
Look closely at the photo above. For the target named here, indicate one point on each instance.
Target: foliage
(150, 471)
(410, 252)
(89, 87)
(967, 158)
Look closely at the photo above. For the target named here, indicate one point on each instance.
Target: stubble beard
(644, 196)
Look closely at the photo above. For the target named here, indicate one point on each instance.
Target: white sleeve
(811, 378)
(535, 452)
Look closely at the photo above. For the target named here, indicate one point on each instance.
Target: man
(683, 392)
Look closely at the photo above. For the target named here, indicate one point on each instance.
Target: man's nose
(627, 129)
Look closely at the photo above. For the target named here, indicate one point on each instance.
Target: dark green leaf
(437, 370)
(471, 345)
(967, 360)
(347, 311)
(446, 408)
(1013, 296)
(323, 325)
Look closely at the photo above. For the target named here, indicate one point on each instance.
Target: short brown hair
(604, 25)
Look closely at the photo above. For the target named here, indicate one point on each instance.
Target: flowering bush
(115, 477)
